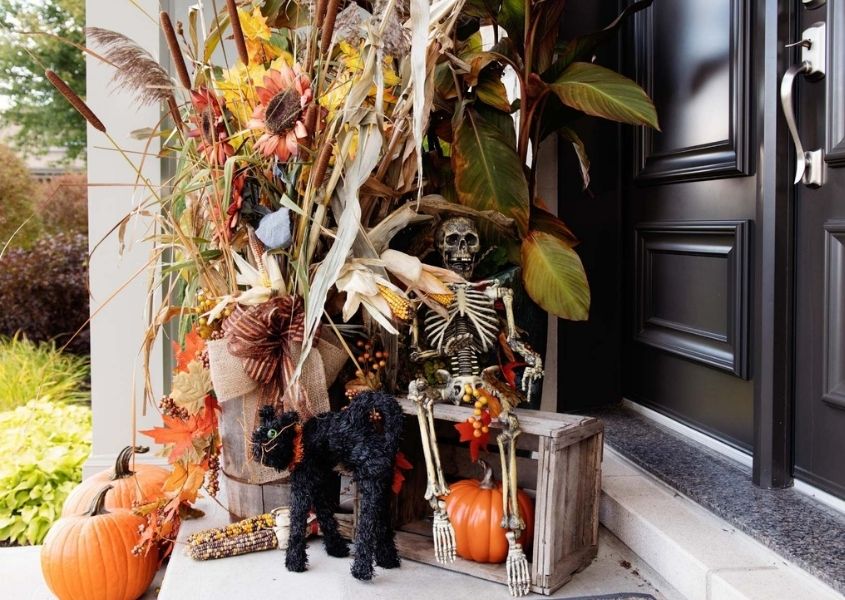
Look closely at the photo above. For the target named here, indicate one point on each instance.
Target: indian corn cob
(250, 525)
(255, 541)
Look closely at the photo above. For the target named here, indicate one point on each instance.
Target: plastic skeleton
(468, 330)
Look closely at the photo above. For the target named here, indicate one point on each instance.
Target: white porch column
(119, 315)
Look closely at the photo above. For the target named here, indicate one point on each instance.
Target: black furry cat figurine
(364, 438)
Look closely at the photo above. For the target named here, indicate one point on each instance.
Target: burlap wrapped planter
(252, 488)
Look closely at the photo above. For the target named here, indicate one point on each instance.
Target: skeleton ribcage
(473, 314)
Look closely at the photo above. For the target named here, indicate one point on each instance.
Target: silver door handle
(809, 164)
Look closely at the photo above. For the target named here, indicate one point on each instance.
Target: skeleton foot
(516, 565)
(444, 535)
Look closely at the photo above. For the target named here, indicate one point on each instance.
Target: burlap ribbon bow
(252, 365)
(265, 337)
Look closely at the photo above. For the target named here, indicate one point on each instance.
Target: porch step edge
(699, 554)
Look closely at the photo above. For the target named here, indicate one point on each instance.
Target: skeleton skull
(459, 244)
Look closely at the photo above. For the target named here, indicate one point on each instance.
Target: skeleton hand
(530, 375)
(516, 566)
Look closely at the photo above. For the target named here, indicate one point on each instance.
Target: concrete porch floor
(652, 541)
(616, 569)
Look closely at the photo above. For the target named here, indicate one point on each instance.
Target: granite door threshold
(809, 534)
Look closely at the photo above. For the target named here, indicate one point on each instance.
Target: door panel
(820, 267)
(690, 204)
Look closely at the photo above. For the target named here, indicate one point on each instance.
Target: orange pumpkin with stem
(141, 485)
(89, 556)
(475, 510)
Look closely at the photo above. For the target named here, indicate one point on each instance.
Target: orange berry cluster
(371, 366)
(479, 405)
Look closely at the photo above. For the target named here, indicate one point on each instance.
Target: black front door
(689, 210)
(819, 104)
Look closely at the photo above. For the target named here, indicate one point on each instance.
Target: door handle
(809, 164)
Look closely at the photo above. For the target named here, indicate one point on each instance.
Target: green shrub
(29, 370)
(43, 445)
(16, 205)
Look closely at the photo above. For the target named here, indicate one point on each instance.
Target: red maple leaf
(194, 344)
(467, 432)
(401, 464)
(509, 371)
(178, 432)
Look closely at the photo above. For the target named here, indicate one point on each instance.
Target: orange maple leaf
(178, 432)
(185, 481)
(194, 344)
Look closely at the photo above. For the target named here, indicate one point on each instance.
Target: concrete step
(697, 553)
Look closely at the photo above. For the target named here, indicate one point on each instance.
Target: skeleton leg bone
(443, 532)
(518, 576)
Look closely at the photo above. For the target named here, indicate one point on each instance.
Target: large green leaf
(554, 276)
(491, 91)
(512, 18)
(488, 172)
(581, 48)
(598, 91)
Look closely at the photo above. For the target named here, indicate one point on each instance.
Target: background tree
(17, 190)
(34, 35)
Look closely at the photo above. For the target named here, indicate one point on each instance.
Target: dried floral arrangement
(301, 155)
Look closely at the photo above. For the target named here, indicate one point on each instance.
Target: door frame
(774, 244)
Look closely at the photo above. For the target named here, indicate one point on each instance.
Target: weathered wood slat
(531, 421)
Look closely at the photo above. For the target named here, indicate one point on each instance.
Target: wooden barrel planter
(251, 489)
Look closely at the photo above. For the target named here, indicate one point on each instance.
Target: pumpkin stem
(98, 504)
(487, 481)
(121, 465)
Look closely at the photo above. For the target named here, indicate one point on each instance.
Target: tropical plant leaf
(488, 173)
(600, 92)
(581, 48)
(512, 18)
(491, 91)
(573, 138)
(554, 276)
(481, 8)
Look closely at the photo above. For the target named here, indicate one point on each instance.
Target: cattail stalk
(75, 100)
(174, 113)
(237, 32)
(175, 50)
(328, 24)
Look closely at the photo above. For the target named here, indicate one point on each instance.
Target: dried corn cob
(250, 525)
(444, 299)
(256, 541)
(399, 305)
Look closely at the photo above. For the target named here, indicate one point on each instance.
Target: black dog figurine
(364, 438)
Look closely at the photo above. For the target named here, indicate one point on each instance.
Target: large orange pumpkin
(475, 510)
(89, 556)
(142, 485)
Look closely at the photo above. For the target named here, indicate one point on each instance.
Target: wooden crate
(559, 464)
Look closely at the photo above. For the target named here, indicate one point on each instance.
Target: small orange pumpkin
(475, 510)
(89, 556)
(142, 485)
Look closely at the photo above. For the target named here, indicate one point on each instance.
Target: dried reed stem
(237, 32)
(175, 49)
(75, 100)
